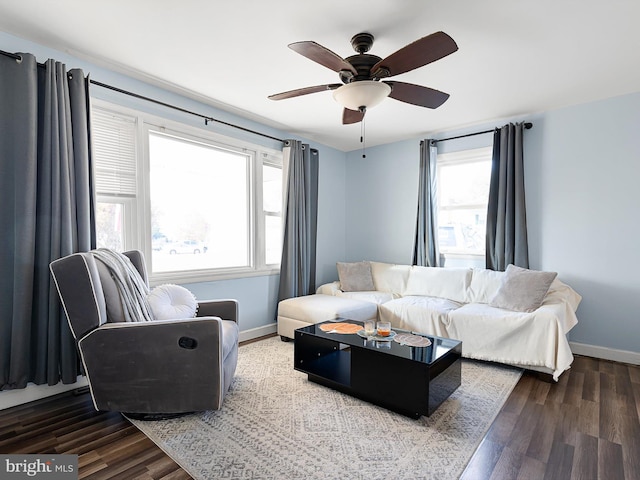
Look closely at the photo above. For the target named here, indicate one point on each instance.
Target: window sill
(473, 256)
(182, 278)
(464, 260)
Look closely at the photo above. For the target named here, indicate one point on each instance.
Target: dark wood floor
(107, 445)
(586, 426)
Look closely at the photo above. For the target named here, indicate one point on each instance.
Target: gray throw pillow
(522, 290)
(355, 277)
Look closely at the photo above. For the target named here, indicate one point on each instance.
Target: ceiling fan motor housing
(362, 42)
(362, 63)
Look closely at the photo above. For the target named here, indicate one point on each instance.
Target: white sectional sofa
(518, 317)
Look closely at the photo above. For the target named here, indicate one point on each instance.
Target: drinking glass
(369, 328)
(384, 329)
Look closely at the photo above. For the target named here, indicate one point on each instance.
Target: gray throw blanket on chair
(132, 288)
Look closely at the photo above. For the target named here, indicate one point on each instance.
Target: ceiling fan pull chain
(363, 138)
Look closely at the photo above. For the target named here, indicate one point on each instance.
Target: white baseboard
(258, 332)
(605, 353)
(11, 398)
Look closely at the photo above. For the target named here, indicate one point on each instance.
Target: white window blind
(114, 152)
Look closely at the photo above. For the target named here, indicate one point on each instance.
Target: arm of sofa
(561, 292)
(332, 288)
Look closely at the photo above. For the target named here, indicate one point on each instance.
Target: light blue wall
(331, 214)
(583, 172)
(382, 193)
(256, 295)
(582, 168)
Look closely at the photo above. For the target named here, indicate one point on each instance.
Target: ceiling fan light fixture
(363, 93)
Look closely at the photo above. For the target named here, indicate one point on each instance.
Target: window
(197, 204)
(463, 194)
(200, 215)
(272, 191)
(114, 152)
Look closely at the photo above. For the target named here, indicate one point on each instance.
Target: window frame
(460, 158)
(138, 210)
(269, 160)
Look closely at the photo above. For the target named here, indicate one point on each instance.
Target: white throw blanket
(132, 288)
(515, 338)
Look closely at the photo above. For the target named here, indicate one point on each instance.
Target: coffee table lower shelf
(399, 380)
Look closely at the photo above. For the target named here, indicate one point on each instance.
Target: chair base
(153, 417)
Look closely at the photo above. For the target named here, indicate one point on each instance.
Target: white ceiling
(515, 58)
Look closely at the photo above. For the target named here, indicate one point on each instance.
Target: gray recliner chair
(150, 367)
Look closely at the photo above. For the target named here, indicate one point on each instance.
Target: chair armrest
(225, 309)
(177, 363)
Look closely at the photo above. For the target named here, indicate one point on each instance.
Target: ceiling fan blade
(351, 116)
(322, 55)
(304, 91)
(417, 54)
(417, 94)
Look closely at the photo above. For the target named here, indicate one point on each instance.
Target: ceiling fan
(361, 74)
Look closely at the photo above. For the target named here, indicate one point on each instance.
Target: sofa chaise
(518, 317)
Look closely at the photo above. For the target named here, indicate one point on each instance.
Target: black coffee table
(412, 381)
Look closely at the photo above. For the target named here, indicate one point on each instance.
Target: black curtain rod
(184, 110)
(13, 55)
(527, 125)
(206, 118)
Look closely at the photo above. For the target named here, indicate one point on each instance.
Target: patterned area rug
(275, 424)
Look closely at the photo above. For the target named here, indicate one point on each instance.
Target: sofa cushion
(522, 290)
(319, 308)
(355, 277)
(419, 314)
(389, 277)
(230, 334)
(451, 283)
(484, 285)
(373, 297)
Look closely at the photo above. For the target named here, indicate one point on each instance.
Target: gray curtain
(506, 213)
(425, 249)
(46, 213)
(298, 266)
